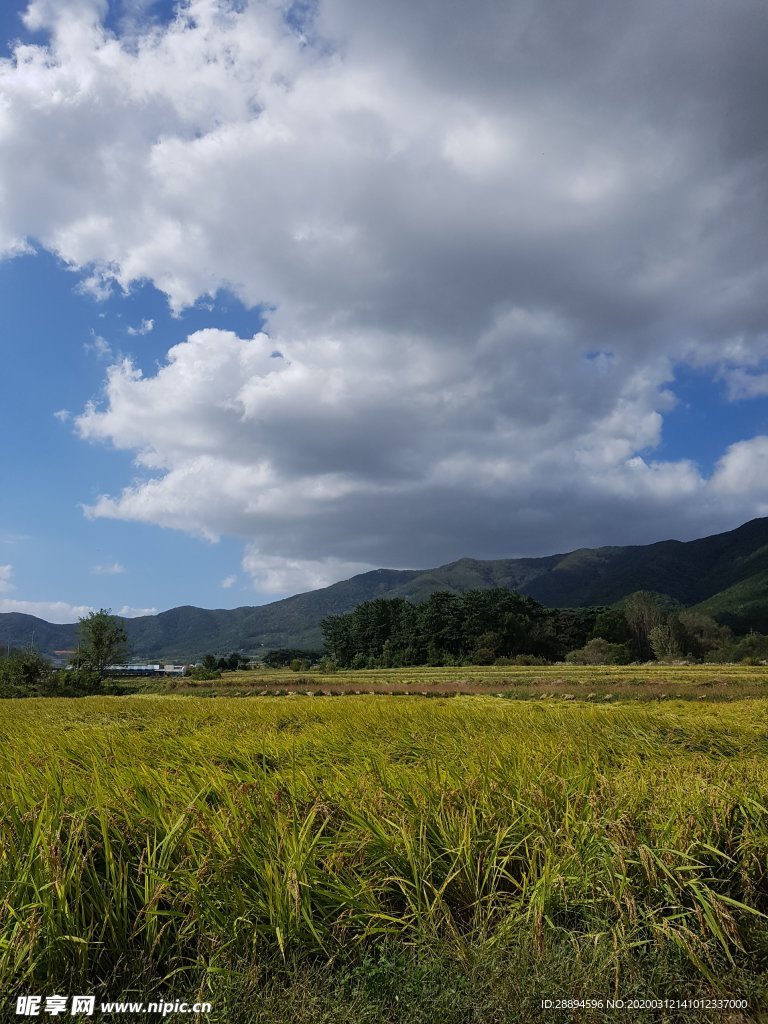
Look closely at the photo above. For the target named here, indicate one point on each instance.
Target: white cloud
(743, 469)
(742, 383)
(6, 574)
(112, 569)
(62, 415)
(99, 346)
(444, 236)
(228, 582)
(334, 469)
(51, 611)
(132, 613)
(275, 575)
(144, 327)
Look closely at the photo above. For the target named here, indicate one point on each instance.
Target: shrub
(299, 665)
(599, 652)
(203, 672)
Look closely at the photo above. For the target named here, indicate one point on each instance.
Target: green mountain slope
(186, 633)
(725, 575)
(743, 607)
(18, 630)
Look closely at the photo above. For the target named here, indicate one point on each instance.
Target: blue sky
(55, 361)
(289, 294)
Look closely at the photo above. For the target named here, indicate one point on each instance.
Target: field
(591, 682)
(385, 859)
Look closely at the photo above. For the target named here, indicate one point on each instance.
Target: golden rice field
(648, 681)
(384, 859)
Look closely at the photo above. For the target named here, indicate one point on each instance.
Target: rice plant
(152, 841)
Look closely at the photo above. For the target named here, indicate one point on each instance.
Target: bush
(299, 665)
(599, 652)
(28, 674)
(203, 672)
(749, 650)
(77, 682)
(283, 656)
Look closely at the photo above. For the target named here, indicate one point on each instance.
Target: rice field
(384, 859)
(651, 681)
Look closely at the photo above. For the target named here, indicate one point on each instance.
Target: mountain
(17, 630)
(185, 633)
(725, 575)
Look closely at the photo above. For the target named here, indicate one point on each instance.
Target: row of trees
(478, 626)
(482, 626)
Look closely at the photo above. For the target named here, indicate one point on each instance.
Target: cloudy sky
(294, 290)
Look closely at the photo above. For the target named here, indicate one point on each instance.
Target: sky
(290, 291)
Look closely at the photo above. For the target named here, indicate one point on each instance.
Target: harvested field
(638, 682)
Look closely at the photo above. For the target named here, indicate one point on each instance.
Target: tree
(611, 625)
(644, 611)
(102, 640)
(664, 643)
(702, 634)
(439, 621)
(24, 671)
(599, 652)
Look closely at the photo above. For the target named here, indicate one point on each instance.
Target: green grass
(384, 859)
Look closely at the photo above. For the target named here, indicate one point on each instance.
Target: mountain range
(725, 575)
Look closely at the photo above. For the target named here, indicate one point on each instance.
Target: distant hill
(725, 575)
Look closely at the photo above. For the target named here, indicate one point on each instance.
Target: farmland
(651, 681)
(381, 858)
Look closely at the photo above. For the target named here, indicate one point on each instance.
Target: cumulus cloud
(228, 582)
(483, 243)
(744, 470)
(274, 575)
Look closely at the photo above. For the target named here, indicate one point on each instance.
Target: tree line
(483, 627)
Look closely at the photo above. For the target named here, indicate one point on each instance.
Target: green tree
(702, 634)
(439, 623)
(599, 651)
(611, 625)
(102, 640)
(26, 670)
(664, 643)
(644, 611)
